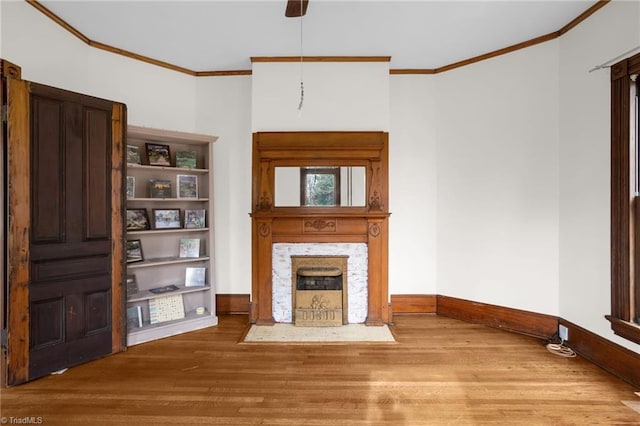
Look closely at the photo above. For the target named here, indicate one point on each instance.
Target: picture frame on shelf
(194, 218)
(133, 154)
(132, 285)
(189, 247)
(159, 188)
(195, 277)
(187, 186)
(137, 220)
(166, 219)
(158, 154)
(134, 251)
(186, 159)
(131, 187)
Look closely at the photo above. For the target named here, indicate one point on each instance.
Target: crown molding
(400, 71)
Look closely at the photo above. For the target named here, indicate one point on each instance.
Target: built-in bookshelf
(170, 236)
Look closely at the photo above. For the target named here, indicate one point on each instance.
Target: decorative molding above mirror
(280, 159)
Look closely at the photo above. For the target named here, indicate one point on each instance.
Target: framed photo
(189, 247)
(159, 188)
(187, 186)
(137, 220)
(186, 159)
(133, 154)
(195, 277)
(132, 285)
(131, 187)
(166, 218)
(194, 218)
(158, 154)
(134, 251)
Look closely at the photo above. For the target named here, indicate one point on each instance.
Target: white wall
(412, 185)
(222, 108)
(337, 96)
(497, 190)
(585, 284)
(155, 97)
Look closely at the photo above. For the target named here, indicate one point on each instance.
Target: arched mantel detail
(366, 224)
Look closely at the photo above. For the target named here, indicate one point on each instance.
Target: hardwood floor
(441, 372)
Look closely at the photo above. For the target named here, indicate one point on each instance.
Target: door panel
(70, 286)
(47, 190)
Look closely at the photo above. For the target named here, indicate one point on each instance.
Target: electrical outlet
(563, 332)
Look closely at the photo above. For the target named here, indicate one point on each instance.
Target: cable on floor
(560, 349)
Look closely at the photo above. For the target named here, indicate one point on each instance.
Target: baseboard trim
(413, 304)
(515, 320)
(611, 357)
(232, 304)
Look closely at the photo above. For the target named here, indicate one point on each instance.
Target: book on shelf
(134, 317)
(187, 186)
(189, 247)
(166, 308)
(186, 159)
(132, 285)
(194, 218)
(159, 188)
(131, 187)
(133, 154)
(195, 277)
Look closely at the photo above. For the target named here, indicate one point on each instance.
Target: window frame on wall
(625, 200)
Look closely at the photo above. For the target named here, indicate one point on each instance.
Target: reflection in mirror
(320, 186)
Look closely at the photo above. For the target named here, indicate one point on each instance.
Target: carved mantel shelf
(368, 224)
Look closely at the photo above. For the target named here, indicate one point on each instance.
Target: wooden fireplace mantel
(367, 224)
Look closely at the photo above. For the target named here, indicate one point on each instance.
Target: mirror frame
(308, 149)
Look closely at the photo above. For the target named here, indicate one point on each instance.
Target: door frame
(16, 353)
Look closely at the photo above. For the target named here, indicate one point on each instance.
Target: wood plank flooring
(441, 372)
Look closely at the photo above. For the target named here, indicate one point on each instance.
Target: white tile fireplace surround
(357, 265)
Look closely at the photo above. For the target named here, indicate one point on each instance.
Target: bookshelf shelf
(146, 294)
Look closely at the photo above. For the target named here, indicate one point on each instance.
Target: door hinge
(4, 338)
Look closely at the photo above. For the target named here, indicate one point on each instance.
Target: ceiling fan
(296, 8)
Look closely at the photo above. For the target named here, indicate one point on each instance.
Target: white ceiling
(219, 35)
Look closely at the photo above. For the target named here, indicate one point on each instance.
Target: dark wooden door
(74, 234)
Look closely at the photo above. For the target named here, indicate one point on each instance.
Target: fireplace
(319, 290)
(329, 227)
(354, 259)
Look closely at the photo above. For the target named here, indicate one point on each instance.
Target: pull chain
(301, 72)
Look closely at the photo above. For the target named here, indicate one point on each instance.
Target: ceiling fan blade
(296, 8)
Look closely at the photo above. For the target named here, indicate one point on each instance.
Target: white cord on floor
(561, 350)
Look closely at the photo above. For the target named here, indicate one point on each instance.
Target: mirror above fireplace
(356, 163)
(320, 186)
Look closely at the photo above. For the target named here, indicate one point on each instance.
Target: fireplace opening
(320, 290)
(319, 278)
